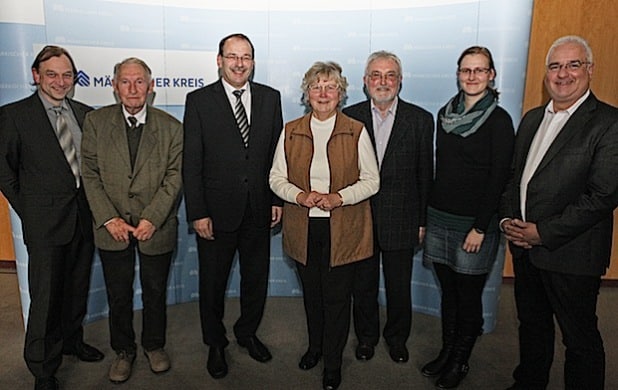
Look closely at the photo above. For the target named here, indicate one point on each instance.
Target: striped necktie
(66, 142)
(241, 117)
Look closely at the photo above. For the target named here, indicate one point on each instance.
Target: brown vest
(351, 230)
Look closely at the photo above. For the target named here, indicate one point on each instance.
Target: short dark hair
(50, 51)
(239, 36)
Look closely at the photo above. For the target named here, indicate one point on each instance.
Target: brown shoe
(120, 370)
(159, 360)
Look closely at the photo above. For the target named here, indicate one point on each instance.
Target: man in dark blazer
(558, 219)
(402, 134)
(132, 158)
(229, 203)
(44, 187)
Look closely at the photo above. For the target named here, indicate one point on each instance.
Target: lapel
(223, 104)
(256, 104)
(527, 135)
(79, 113)
(46, 134)
(574, 125)
(147, 142)
(398, 132)
(118, 136)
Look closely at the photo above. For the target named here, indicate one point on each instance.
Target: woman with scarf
(474, 146)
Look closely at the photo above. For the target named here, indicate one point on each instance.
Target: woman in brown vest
(325, 170)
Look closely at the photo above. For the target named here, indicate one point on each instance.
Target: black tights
(462, 299)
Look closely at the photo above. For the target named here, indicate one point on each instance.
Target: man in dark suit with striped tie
(231, 130)
(39, 174)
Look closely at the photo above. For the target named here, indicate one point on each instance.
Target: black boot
(457, 367)
(449, 335)
(448, 311)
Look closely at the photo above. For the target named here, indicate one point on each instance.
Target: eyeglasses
(53, 75)
(475, 71)
(235, 58)
(377, 76)
(571, 66)
(329, 88)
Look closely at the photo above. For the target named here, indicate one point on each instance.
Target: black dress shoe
(257, 350)
(364, 351)
(217, 366)
(85, 352)
(331, 379)
(309, 360)
(399, 353)
(50, 383)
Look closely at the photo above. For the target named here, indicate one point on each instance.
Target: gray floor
(283, 330)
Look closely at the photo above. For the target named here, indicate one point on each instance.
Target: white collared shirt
(382, 127)
(245, 97)
(140, 116)
(550, 127)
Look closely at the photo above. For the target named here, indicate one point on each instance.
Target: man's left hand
(144, 230)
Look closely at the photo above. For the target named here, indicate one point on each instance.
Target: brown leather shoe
(159, 360)
(121, 367)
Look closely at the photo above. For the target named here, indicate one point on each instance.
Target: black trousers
(59, 280)
(326, 295)
(397, 268)
(572, 299)
(215, 261)
(119, 273)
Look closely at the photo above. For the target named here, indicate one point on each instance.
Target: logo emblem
(83, 80)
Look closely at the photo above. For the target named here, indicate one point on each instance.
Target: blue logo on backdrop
(83, 80)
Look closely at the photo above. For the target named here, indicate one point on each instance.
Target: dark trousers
(215, 261)
(397, 268)
(59, 280)
(119, 273)
(462, 300)
(572, 299)
(326, 295)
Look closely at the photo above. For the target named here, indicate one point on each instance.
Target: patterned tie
(66, 142)
(133, 137)
(241, 117)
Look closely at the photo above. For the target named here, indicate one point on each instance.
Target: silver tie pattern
(241, 117)
(66, 142)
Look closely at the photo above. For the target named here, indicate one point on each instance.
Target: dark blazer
(220, 174)
(150, 190)
(400, 206)
(35, 176)
(574, 191)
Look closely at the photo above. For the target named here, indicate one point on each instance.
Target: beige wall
(595, 20)
(6, 239)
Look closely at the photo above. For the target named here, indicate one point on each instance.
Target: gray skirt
(444, 245)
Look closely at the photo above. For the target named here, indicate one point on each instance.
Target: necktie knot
(57, 110)
(241, 117)
(133, 121)
(238, 93)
